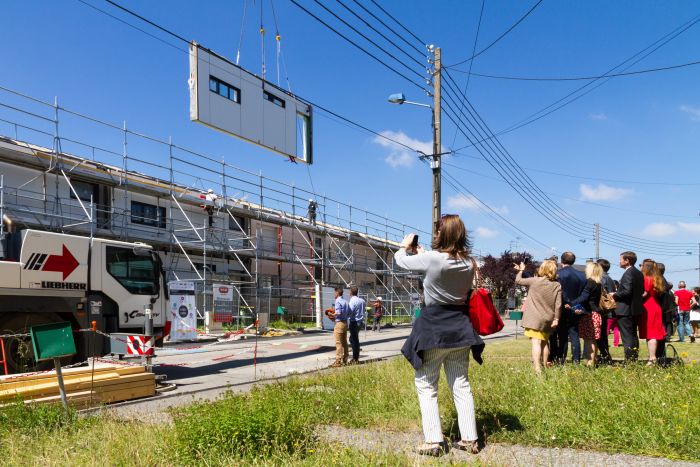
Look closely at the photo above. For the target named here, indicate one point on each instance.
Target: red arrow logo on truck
(65, 263)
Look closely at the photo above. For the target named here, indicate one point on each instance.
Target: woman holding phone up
(543, 308)
(443, 334)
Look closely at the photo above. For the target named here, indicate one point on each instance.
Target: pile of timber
(84, 387)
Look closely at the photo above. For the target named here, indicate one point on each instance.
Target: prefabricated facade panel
(228, 98)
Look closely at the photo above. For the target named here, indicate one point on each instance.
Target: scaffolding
(233, 227)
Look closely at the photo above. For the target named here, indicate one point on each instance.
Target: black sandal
(469, 446)
(432, 449)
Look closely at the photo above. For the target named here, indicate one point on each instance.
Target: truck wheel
(18, 350)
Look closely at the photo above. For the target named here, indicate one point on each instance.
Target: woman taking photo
(651, 326)
(591, 322)
(543, 308)
(443, 334)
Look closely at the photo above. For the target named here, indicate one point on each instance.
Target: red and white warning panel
(139, 345)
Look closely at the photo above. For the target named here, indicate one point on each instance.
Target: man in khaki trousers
(340, 314)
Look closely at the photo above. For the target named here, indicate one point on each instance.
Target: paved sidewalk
(493, 454)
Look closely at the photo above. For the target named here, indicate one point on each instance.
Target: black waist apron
(442, 327)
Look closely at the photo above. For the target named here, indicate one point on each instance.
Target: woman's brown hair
(650, 269)
(451, 237)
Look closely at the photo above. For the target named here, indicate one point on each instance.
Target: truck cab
(49, 277)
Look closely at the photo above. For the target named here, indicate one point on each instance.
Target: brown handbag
(607, 302)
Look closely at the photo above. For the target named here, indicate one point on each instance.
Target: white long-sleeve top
(446, 282)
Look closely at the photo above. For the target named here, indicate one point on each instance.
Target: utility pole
(597, 242)
(435, 163)
(699, 264)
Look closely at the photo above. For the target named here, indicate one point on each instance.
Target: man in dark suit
(629, 304)
(572, 284)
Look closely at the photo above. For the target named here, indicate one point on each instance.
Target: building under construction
(212, 222)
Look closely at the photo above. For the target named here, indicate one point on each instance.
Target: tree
(498, 273)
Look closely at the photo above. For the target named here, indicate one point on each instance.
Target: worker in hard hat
(312, 211)
(378, 313)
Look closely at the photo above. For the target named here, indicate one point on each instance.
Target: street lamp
(400, 99)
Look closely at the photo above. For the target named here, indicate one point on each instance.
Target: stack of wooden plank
(84, 387)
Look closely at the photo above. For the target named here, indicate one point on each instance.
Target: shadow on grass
(487, 424)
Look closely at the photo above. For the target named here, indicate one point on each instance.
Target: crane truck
(48, 277)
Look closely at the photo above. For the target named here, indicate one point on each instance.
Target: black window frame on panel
(278, 101)
(138, 217)
(230, 89)
(77, 184)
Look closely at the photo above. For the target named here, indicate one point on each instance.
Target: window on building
(267, 281)
(86, 191)
(274, 99)
(236, 223)
(318, 243)
(301, 278)
(223, 89)
(147, 214)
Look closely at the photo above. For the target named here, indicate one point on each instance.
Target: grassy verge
(635, 410)
(282, 324)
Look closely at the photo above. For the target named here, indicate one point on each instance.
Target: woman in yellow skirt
(543, 308)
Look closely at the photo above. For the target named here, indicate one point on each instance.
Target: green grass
(633, 409)
(282, 324)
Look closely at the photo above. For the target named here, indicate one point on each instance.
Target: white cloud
(485, 232)
(398, 155)
(689, 227)
(599, 116)
(659, 229)
(602, 192)
(463, 202)
(694, 112)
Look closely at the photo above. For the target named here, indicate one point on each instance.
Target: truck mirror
(142, 251)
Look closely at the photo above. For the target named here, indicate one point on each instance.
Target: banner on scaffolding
(183, 311)
(223, 303)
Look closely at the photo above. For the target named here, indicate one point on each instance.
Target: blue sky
(632, 129)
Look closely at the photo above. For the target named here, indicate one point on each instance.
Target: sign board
(327, 301)
(139, 345)
(183, 311)
(54, 340)
(230, 99)
(223, 303)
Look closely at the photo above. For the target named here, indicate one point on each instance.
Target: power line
(411, 57)
(319, 3)
(557, 214)
(580, 78)
(399, 23)
(554, 105)
(354, 44)
(504, 34)
(471, 63)
(369, 12)
(593, 203)
(497, 165)
(543, 201)
(167, 31)
(455, 183)
(153, 36)
(314, 104)
(594, 179)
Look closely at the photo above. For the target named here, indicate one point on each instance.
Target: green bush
(266, 422)
(35, 418)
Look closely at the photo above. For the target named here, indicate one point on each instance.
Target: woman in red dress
(650, 323)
